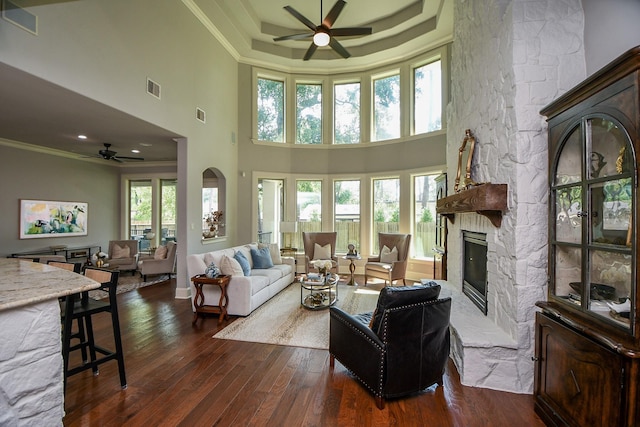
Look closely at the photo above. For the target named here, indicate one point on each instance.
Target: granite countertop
(25, 282)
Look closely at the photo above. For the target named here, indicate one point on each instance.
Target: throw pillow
(230, 266)
(120, 252)
(387, 255)
(261, 258)
(275, 253)
(274, 250)
(160, 253)
(322, 252)
(244, 263)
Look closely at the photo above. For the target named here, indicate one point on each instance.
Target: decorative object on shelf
(214, 221)
(597, 163)
(98, 259)
(212, 271)
(465, 162)
(352, 250)
(40, 218)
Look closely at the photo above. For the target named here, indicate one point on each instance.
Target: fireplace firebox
(474, 279)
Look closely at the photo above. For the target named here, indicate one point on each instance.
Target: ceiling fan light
(321, 38)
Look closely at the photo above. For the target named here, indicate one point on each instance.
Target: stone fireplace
(509, 59)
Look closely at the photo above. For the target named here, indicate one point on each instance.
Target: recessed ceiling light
(146, 144)
(82, 136)
(135, 151)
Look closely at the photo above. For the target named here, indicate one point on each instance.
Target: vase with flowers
(213, 221)
(98, 259)
(324, 267)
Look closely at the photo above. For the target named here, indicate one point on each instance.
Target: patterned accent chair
(389, 266)
(399, 349)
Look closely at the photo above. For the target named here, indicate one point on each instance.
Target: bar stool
(83, 310)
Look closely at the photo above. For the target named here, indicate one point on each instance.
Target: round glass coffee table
(319, 294)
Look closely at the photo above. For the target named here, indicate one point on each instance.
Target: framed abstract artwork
(40, 218)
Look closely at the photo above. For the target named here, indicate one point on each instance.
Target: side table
(222, 281)
(352, 268)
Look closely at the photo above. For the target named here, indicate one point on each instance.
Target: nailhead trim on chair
(380, 367)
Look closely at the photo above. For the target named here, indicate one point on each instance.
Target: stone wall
(509, 59)
(31, 382)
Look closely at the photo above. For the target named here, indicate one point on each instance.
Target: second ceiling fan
(324, 34)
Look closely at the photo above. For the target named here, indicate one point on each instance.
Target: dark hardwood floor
(178, 374)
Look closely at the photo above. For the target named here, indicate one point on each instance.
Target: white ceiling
(37, 112)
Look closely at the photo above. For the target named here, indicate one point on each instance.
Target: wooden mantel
(489, 200)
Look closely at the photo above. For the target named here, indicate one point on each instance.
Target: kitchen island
(31, 377)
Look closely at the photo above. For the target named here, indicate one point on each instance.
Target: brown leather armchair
(405, 350)
(389, 271)
(321, 238)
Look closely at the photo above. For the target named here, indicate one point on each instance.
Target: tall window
(386, 208)
(168, 210)
(308, 113)
(386, 108)
(270, 110)
(140, 208)
(424, 207)
(427, 106)
(308, 207)
(346, 113)
(347, 214)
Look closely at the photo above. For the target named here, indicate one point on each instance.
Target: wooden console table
(222, 281)
(489, 200)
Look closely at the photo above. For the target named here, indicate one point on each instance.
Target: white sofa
(246, 293)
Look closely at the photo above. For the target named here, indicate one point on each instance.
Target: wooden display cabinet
(587, 337)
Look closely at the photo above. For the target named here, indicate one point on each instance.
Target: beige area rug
(282, 320)
(128, 283)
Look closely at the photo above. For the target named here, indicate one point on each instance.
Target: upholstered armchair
(313, 252)
(158, 264)
(399, 349)
(391, 262)
(123, 254)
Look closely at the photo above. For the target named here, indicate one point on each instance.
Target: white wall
(105, 50)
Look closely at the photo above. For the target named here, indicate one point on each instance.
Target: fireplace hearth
(474, 277)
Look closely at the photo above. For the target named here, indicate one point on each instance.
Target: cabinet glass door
(593, 198)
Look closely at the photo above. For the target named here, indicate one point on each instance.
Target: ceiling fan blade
(345, 32)
(300, 17)
(339, 48)
(127, 158)
(310, 52)
(333, 13)
(115, 159)
(294, 37)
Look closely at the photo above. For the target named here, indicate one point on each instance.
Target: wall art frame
(42, 218)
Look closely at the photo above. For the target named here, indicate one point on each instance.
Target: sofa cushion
(272, 274)
(244, 263)
(261, 258)
(388, 255)
(322, 252)
(160, 253)
(258, 283)
(230, 266)
(120, 252)
(391, 296)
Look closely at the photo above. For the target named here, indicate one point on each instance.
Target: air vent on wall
(19, 16)
(201, 115)
(153, 88)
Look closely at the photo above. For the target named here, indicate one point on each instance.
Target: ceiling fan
(107, 154)
(324, 34)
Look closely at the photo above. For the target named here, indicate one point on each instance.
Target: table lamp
(286, 228)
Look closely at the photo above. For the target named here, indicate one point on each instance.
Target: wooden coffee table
(201, 308)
